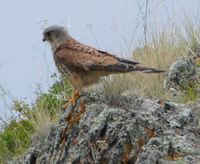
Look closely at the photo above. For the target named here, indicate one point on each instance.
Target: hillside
(136, 131)
(130, 118)
(133, 130)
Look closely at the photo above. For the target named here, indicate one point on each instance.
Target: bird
(84, 65)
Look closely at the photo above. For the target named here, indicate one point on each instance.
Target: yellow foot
(75, 96)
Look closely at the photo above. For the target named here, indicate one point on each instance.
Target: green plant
(191, 93)
(55, 97)
(5, 154)
(16, 137)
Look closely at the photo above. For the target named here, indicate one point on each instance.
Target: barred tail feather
(123, 67)
(148, 70)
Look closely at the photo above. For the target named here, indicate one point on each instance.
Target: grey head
(56, 35)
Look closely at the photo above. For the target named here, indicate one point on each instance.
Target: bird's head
(55, 35)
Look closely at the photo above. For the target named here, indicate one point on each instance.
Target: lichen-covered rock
(181, 74)
(184, 77)
(138, 131)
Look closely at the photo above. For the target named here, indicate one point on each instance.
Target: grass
(114, 86)
(163, 49)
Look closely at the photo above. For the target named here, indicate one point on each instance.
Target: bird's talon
(75, 96)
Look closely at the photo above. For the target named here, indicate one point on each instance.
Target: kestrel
(82, 64)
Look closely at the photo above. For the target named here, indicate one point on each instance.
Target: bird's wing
(76, 55)
(79, 56)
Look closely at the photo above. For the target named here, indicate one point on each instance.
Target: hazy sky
(106, 24)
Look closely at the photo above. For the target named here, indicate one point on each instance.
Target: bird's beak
(44, 38)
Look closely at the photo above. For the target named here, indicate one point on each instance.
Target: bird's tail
(123, 67)
(147, 70)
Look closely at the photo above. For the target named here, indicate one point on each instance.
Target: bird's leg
(75, 95)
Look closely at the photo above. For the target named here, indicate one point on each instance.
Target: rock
(184, 77)
(139, 131)
(181, 73)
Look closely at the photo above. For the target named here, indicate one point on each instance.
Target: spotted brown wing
(78, 56)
